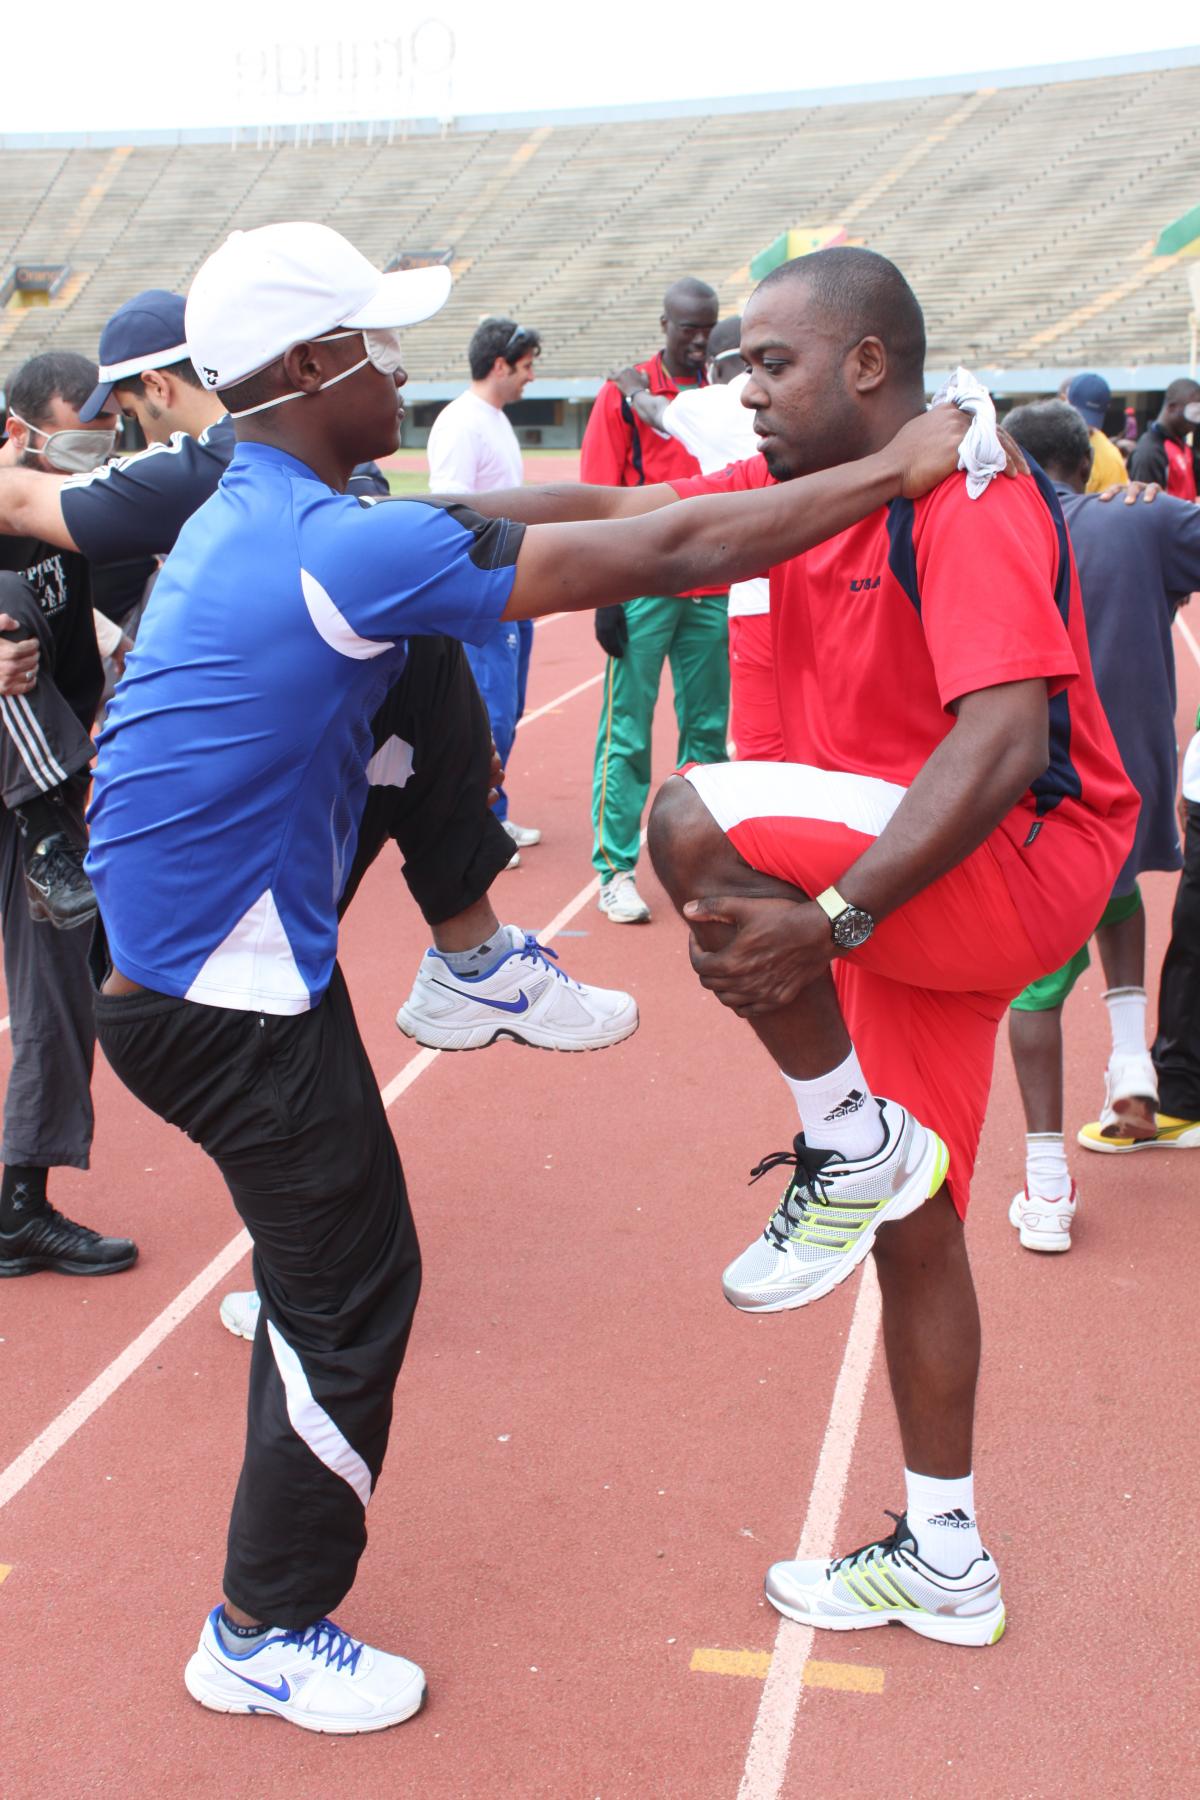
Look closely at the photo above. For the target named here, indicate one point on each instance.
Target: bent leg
(430, 777)
(495, 665)
(695, 860)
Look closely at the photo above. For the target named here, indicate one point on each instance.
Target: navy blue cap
(146, 333)
(1091, 397)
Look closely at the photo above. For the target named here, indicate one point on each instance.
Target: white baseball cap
(279, 285)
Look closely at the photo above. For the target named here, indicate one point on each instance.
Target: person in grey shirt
(1137, 563)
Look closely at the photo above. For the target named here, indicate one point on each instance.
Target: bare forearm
(703, 543)
(31, 506)
(564, 502)
(973, 779)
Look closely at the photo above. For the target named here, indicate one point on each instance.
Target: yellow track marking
(846, 1678)
(5, 1571)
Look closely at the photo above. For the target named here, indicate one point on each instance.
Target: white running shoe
(525, 997)
(321, 1678)
(620, 901)
(826, 1222)
(523, 836)
(1044, 1224)
(239, 1313)
(514, 861)
(888, 1584)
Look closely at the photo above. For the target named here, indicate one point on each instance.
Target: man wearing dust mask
(49, 693)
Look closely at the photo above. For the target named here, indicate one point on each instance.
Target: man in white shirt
(473, 449)
(713, 426)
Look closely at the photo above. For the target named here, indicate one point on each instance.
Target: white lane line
(61, 1429)
(24, 1467)
(1185, 633)
(783, 1692)
(561, 700)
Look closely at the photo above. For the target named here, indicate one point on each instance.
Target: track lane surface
(572, 1358)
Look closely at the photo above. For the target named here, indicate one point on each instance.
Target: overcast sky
(222, 62)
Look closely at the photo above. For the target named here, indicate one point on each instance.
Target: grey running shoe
(887, 1584)
(826, 1222)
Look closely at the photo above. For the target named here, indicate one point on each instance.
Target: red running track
(594, 1457)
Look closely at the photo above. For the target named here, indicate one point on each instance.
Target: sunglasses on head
(520, 341)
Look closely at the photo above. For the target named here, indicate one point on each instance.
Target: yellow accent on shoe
(940, 1168)
(1170, 1133)
(999, 1631)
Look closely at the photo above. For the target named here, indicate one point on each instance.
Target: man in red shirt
(953, 801)
(621, 450)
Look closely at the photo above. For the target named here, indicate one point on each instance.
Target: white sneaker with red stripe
(1044, 1224)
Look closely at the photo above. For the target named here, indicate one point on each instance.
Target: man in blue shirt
(230, 781)
(432, 768)
(1136, 563)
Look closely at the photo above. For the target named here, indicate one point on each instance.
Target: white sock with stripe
(941, 1516)
(1047, 1176)
(838, 1111)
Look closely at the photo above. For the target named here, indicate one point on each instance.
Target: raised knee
(679, 822)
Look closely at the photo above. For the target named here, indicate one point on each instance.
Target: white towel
(980, 452)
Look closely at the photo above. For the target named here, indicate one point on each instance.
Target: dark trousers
(1176, 1049)
(42, 741)
(289, 1110)
(48, 1101)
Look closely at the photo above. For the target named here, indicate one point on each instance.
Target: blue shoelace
(325, 1639)
(538, 953)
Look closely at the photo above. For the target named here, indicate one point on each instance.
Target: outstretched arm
(562, 502)
(711, 541)
(31, 506)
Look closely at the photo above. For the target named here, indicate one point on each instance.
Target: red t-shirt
(621, 450)
(877, 630)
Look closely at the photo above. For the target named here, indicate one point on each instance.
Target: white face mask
(71, 452)
(383, 353)
(1192, 413)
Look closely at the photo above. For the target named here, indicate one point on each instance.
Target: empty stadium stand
(1024, 217)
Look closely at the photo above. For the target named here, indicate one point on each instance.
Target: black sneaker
(55, 882)
(39, 1237)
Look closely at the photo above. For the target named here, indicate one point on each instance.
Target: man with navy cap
(1091, 397)
(238, 746)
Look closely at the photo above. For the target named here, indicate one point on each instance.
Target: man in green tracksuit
(691, 630)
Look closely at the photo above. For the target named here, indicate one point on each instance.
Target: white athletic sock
(1047, 1176)
(1127, 1017)
(941, 1516)
(838, 1111)
(468, 964)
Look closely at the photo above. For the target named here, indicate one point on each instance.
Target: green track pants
(694, 636)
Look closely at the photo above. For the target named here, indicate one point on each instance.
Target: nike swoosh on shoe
(508, 1006)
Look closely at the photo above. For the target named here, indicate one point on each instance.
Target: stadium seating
(1023, 216)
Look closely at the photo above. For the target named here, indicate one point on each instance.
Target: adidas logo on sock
(954, 1521)
(854, 1102)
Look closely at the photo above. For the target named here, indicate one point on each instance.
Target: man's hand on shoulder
(1131, 491)
(630, 381)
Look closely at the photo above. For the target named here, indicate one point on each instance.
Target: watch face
(852, 928)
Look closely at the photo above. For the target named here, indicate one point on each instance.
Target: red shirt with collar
(879, 629)
(621, 450)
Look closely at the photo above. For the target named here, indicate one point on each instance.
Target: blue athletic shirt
(231, 773)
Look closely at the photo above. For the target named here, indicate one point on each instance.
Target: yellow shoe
(1170, 1134)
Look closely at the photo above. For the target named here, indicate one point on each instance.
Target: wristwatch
(850, 925)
